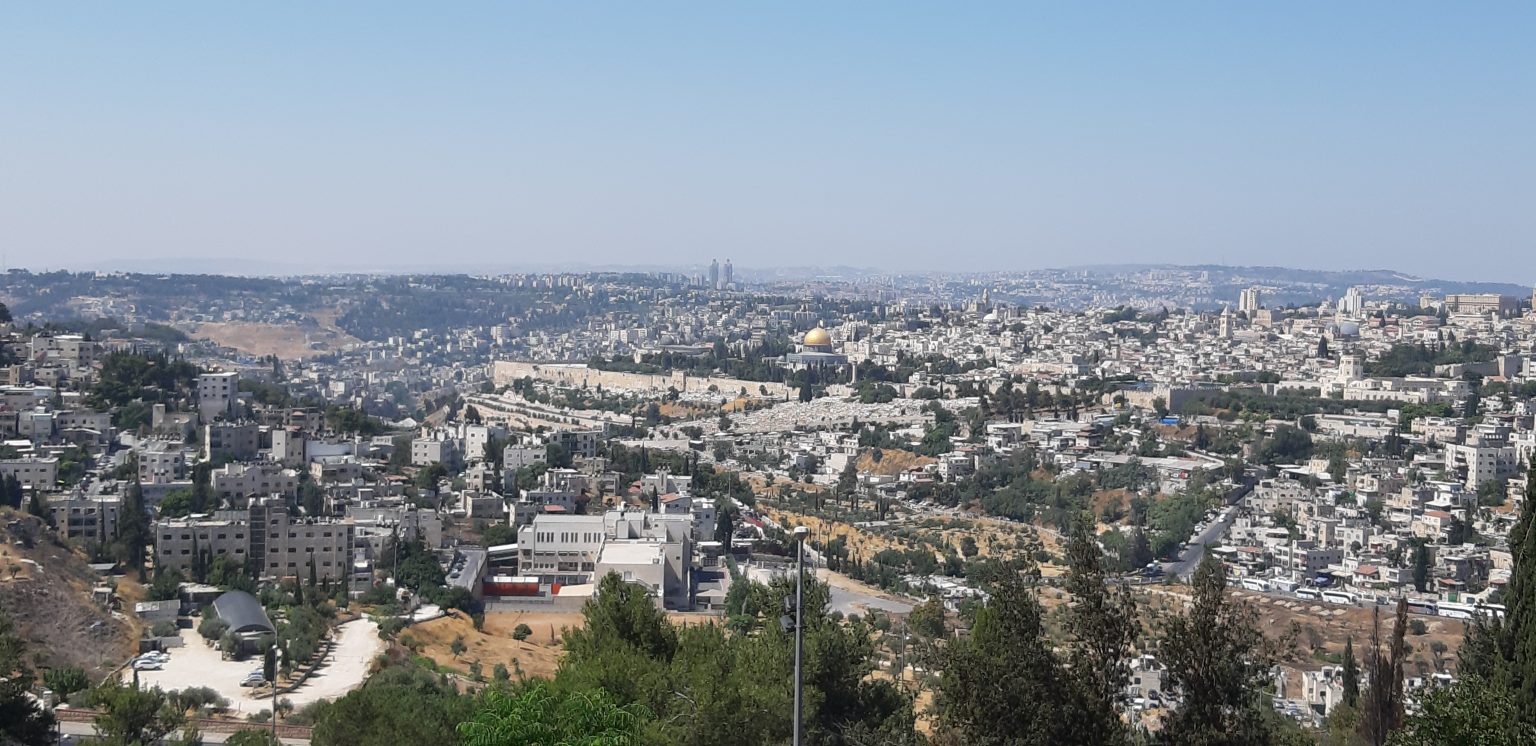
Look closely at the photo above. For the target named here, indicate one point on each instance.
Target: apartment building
(271, 542)
(217, 394)
(238, 441)
(33, 472)
(1476, 464)
(85, 518)
(162, 461)
(436, 449)
(242, 480)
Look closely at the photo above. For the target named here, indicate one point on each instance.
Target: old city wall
(504, 372)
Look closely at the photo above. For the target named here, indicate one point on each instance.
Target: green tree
(1351, 673)
(22, 720)
(131, 716)
(252, 738)
(1470, 711)
(1004, 683)
(134, 533)
(542, 716)
(1503, 652)
(38, 506)
(927, 619)
(1420, 567)
(1219, 660)
(1381, 710)
(399, 705)
(176, 504)
(167, 585)
(66, 681)
(725, 525)
(1102, 624)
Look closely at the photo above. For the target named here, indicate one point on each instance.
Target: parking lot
(198, 664)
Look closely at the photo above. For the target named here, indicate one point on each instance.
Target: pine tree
(1004, 684)
(1220, 661)
(1102, 623)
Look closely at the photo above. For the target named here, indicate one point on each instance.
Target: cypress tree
(1518, 644)
(1351, 673)
(1382, 709)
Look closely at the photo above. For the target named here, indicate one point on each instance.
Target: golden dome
(818, 337)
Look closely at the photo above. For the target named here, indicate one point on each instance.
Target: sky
(890, 135)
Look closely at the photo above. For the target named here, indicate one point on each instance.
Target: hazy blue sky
(947, 135)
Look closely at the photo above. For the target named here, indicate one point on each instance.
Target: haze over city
(791, 374)
(997, 136)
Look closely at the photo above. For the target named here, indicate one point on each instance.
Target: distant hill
(1342, 279)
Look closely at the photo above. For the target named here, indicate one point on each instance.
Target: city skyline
(986, 138)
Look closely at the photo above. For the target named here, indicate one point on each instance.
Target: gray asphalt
(1190, 558)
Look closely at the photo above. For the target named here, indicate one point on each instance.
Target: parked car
(147, 665)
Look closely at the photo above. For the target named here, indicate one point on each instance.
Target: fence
(205, 725)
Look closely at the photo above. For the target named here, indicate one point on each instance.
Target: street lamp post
(801, 532)
(277, 657)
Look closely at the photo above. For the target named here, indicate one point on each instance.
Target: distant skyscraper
(714, 273)
(1248, 301)
(729, 275)
(1352, 304)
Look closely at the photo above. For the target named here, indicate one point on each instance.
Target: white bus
(1453, 610)
(1422, 606)
(1339, 597)
(1492, 611)
(1256, 584)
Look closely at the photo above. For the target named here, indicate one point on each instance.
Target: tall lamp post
(801, 532)
(277, 656)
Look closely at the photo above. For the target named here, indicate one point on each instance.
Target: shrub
(521, 632)
(212, 627)
(163, 629)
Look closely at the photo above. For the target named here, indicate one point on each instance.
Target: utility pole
(801, 532)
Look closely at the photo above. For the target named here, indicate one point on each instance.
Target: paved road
(1190, 558)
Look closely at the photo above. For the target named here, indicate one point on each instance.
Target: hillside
(45, 588)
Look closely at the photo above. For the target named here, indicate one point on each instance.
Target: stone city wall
(505, 372)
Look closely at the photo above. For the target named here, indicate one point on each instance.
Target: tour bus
(1492, 611)
(1422, 606)
(1255, 584)
(1453, 610)
(1339, 597)
(1308, 593)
